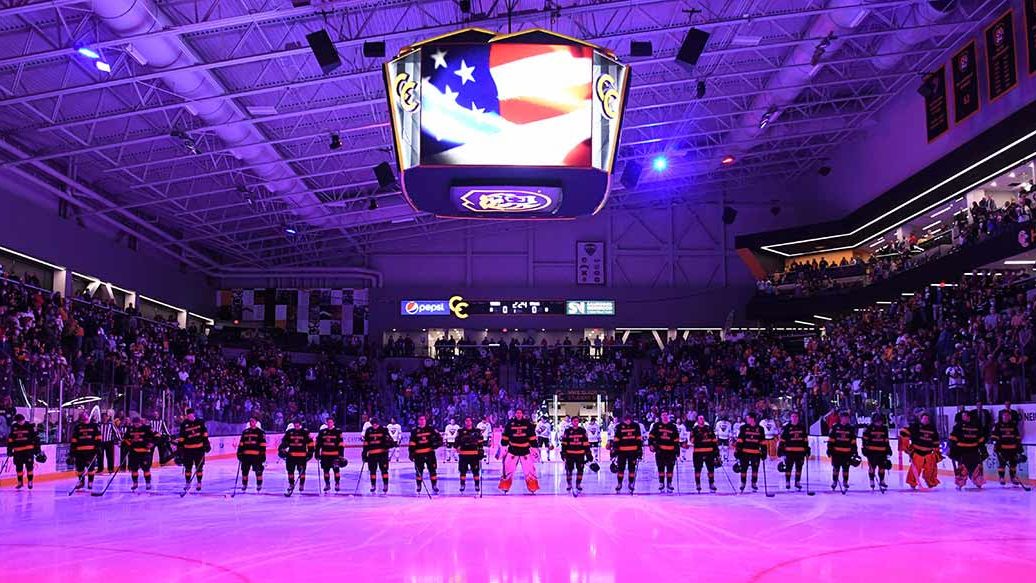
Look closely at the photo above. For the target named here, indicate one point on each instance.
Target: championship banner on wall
(590, 263)
(965, 82)
(1030, 33)
(936, 112)
(1001, 67)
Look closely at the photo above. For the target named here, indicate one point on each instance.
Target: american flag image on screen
(506, 104)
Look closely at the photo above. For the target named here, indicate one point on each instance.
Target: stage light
(660, 163)
(336, 142)
(102, 66)
(290, 230)
(728, 160)
(88, 53)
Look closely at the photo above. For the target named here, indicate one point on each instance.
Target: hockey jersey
(139, 439)
(252, 442)
(486, 429)
(395, 431)
(966, 438)
(628, 439)
(575, 444)
(704, 439)
(22, 439)
(424, 441)
(924, 438)
(451, 432)
(297, 443)
(876, 440)
(794, 440)
(543, 430)
(329, 443)
(470, 442)
(593, 433)
(85, 437)
(517, 436)
(665, 438)
(723, 430)
(376, 441)
(750, 440)
(193, 435)
(1007, 437)
(841, 440)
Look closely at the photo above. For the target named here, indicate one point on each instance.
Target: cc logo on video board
(458, 307)
(405, 92)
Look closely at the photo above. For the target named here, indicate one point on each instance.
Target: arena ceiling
(209, 136)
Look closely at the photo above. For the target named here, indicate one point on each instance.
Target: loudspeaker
(729, 215)
(324, 50)
(631, 174)
(384, 174)
(692, 47)
(375, 49)
(641, 48)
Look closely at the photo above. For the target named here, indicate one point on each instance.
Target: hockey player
(967, 443)
(330, 451)
(516, 445)
(749, 449)
(794, 446)
(296, 450)
(706, 451)
(424, 440)
(593, 434)
(920, 440)
(685, 439)
(770, 432)
(486, 428)
(22, 446)
(377, 442)
(627, 446)
(664, 442)
(575, 451)
(192, 444)
(139, 441)
(395, 431)
(450, 434)
(86, 438)
(841, 448)
(723, 429)
(1008, 444)
(876, 449)
(543, 431)
(251, 452)
(470, 451)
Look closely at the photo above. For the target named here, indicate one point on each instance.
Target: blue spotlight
(660, 163)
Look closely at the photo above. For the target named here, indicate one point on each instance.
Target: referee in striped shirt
(107, 449)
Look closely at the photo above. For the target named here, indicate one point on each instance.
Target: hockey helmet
(782, 467)
(614, 466)
(41, 458)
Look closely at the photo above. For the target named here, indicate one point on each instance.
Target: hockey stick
(3, 468)
(359, 478)
(729, 481)
(83, 476)
(425, 488)
(187, 486)
(111, 479)
(766, 486)
(237, 475)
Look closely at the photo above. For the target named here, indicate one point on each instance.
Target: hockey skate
(29, 486)
(19, 486)
(463, 487)
(712, 486)
(435, 490)
(532, 484)
(133, 488)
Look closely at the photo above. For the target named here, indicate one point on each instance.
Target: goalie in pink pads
(516, 444)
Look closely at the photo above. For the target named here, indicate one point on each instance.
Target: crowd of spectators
(982, 220)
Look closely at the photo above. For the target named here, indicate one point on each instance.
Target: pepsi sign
(424, 308)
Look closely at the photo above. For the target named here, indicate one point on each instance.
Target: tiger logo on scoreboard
(512, 201)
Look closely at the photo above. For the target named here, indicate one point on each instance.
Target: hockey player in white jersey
(450, 435)
(543, 438)
(723, 429)
(486, 428)
(395, 431)
(593, 433)
(684, 436)
(770, 433)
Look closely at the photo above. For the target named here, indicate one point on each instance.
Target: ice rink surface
(208, 537)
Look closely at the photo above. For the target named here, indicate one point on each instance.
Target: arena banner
(936, 109)
(1001, 65)
(965, 82)
(1030, 33)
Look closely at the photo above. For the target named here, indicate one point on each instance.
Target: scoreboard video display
(506, 126)
(462, 308)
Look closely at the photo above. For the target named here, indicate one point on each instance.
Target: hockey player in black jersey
(140, 441)
(469, 444)
(296, 450)
(377, 443)
(330, 451)
(664, 441)
(251, 452)
(424, 440)
(627, 446)
(192, 445)
(794, 447)
(23, 444)
(575, 451)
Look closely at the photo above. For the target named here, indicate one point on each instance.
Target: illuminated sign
(424, 308)
(590, 308)
(461, 309)
(506, 199)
